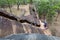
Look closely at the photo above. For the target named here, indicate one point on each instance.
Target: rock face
(8, 27)
(15, 24)
(5, 26)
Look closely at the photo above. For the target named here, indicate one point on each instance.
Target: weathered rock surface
(31, 19)
(8, 27)
(26, 21)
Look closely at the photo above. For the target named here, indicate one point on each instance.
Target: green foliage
(47, 8)
(3, 3)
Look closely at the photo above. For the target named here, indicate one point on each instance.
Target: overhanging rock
(31, 37)
(30, 18)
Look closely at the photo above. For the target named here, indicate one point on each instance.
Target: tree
(3, 3)
(9, 5)
(47, 9)
(18, 3)
(31, 1)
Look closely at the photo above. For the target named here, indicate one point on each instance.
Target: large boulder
(8, 27)
(31, 37)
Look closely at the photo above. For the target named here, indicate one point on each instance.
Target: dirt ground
(55, 28)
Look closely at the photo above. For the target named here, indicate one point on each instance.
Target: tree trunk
(31, 1)
(9, 6)
(18, 3)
